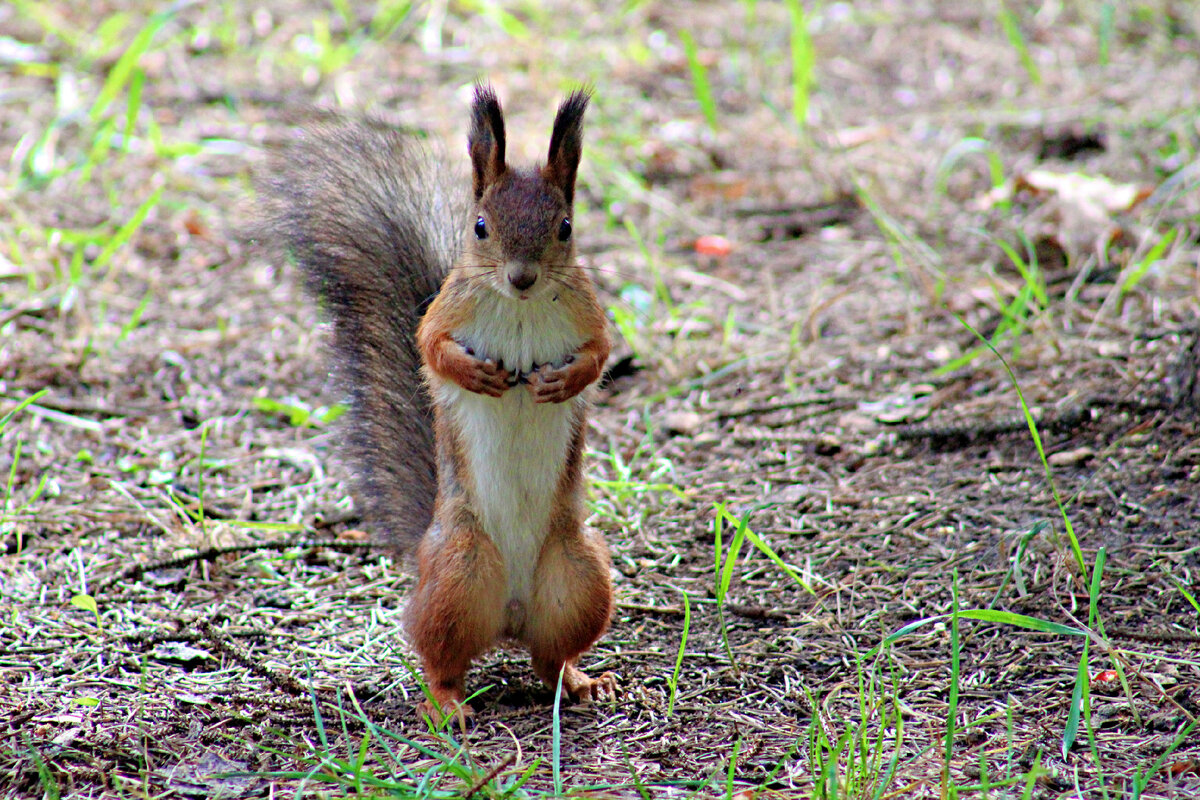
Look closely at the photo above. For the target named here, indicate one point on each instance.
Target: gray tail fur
(371, 217)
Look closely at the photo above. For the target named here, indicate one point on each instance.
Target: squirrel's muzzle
(522, 276)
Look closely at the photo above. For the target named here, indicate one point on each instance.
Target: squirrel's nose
(522, 278)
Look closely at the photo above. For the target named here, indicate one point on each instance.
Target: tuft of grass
(378, 762)
(963, 149)
(1081, 692)
(641, 475)
(848, 755)
(1135, 272)
(299, 414)
(762, 546)
(723, 563)
(1015, 313)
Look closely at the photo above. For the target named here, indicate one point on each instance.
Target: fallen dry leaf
(1076, 211)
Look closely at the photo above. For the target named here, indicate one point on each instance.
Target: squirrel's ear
(486, 140)
(566, 143)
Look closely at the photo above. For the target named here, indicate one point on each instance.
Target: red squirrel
(467, 422)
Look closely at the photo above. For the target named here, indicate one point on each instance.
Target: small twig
(491, 775)
(222, 644)
(280, 680)
(834, 403)
(1160, 637)
(212, 553)
(147, 638)
(1059, 422)
(70, 406)
(669, 611)
(756, 612)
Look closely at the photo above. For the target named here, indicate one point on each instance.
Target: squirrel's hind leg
(570, 609)
(453, 616)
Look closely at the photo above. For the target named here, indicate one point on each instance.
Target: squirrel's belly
(516, 451)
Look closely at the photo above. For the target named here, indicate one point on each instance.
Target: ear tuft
(566, 143)
(486, 140)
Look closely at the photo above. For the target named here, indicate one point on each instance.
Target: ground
(191, 605)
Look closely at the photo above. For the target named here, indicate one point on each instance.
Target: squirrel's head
(521, 227)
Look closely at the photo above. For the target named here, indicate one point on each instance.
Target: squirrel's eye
(564, 229)
(480, 229)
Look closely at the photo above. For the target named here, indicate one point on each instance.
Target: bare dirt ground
(814, 380)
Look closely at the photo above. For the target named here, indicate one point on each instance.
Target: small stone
(1071, 458)
(683, 423)
(828, 444)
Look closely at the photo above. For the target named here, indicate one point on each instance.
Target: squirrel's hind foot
(447, 707)
(578, 685)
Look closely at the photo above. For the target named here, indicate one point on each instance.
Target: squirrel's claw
(550, 384)
(601, 688)
(487, 377)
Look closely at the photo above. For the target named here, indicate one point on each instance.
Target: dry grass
(815, 380)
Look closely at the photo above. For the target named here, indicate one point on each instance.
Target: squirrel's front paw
(550, 384)
(484, 376)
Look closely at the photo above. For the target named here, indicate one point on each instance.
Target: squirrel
(468, 412)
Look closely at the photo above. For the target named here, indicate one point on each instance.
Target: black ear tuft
(486, 140)
(566, 143)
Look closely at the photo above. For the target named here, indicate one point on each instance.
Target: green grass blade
(804, 59)
(8, 415)
(45, 776)
(1071, 730)
(1012, 29)
(733, 760)
(1139, 270)
(135, 318)
(1182, 589)
(955, 668)
(1037, 442)
(731, 557)
(126, 231)
(127, 64)
(765, 549)
(959, 152)
(1140, 785)
(687, 624)
(132, 105)
(1104, 37)
(389, 16)
(556, 736)
(982, 615)
(700, 84)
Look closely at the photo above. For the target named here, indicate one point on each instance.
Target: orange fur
(556, 596)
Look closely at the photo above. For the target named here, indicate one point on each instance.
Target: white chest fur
(516, 448)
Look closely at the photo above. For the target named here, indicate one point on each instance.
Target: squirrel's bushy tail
(371, 217)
